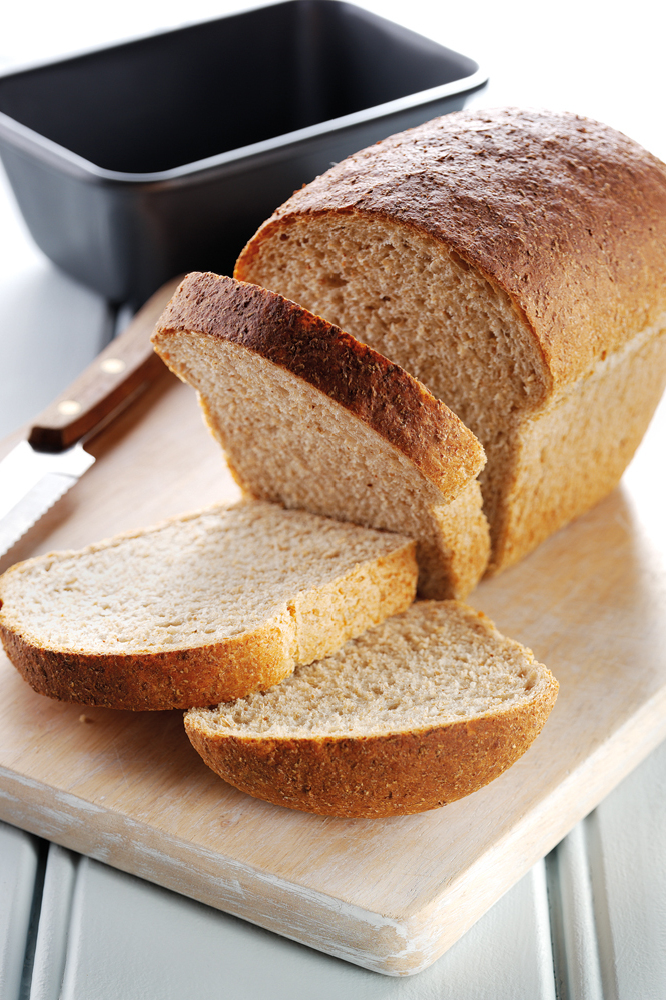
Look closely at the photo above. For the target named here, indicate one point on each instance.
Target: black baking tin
(143, 160)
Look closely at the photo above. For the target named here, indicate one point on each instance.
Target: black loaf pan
(137, 162)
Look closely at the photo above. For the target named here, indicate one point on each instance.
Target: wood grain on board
(390, 894)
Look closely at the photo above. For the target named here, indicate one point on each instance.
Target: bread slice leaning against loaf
(515, 262)
(200, 608)
(417, 712)
(313, 419)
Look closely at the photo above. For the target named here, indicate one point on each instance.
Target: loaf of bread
(313, 419)
(417, 712)
(200, 609)
(513, 261)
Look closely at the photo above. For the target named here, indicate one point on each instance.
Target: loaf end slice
(311, 418)
(420, 711)
(201, 608)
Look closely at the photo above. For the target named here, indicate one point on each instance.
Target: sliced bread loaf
(515, 262)
(417, 712)
(201, 608)
(313, 419)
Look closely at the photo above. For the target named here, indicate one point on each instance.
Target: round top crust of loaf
(382, 394)
(563, 213)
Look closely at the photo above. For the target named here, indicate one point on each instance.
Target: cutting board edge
(598, 774)
(392, 945)
(307, 916)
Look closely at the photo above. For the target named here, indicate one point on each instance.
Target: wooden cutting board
(391, 894)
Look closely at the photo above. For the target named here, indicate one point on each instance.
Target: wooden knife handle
(124, 368)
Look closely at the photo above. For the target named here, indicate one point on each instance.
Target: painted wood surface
(123, 934)
(587, 924)
(627, 855)
(391, 895)
(21, 872)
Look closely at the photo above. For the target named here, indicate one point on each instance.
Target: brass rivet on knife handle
(127, 364)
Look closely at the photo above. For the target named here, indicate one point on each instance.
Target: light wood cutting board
(393, 894)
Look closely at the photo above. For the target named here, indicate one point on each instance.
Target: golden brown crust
(564, 214)
(221, 671)
(140, 682)
(388, 399)
(373, 776)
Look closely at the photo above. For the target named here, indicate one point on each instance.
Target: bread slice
(313, 419)
(200, 608)
(417, 712)
(515, 262)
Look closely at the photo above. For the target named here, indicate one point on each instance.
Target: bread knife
(43, 467)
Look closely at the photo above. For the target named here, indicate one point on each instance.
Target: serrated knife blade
(31, 482)
(39, 470)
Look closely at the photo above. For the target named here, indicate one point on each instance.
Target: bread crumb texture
(313, 419)
(418, 711)
(515, 262)
(225, 598)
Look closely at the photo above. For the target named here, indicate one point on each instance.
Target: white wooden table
(587, 922)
